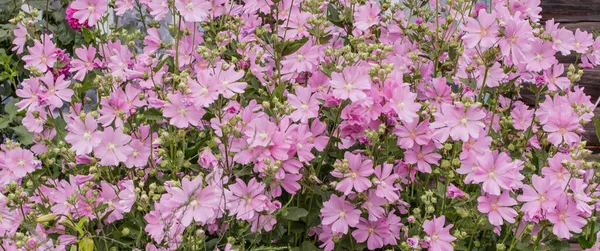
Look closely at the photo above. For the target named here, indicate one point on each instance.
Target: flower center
(111, 147)
(342, 214)
(349, 86)
(182, 111)
(87, 136)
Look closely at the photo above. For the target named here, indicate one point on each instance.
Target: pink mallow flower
(372, 232)
(496, 171)
(355, 176)
(454, 192)
(340, 214)
(83, 135)
(384, 181)
(542, 196)
(351, 83)
(85, 62)
(89, 11)
(246, 200)
(366, 16)
(498, 208)
(457, 122)
(566, 218)
(563, 128)
(18, 162)
(73, 22)
(58, 90)
(195, 202)
(193, 10)
(182, 111)
(42, 55)
(403, 103)
(305, 104)
(423, 157)
(482, 32)
(439, 238)
(113, 148)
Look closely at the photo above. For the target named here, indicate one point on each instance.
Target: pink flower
(542, 196)
(140, 152)
(495, 171)
(19, 162)
(403, 103)
(207, 159)
(374, 206)
(123, 6)
(73, 22)
(340, 214)
(303, 60)
(482, 33)
(372, 232)
(562, 128)
(196, 203)
(498, 208)
(566, 218)
(580, 197)
(516, 41)
(384, 182)
(85, 62)
(366, 16)
(10, 221)
(83, 135)
(355, 176)
(181, 111)
(306, 105)
(458, 123)
(423, 157)
(439, 236)
(351, 83)
(228, 82)
(113, 148)
(58, 90)
(555, 81)
(522, 116)
(193, 10)
(413, 132)
(542, 57)
(246, 200)
(556, 171)
(42, 55)
(158, 8)
(20, 38)
(454, 192)
(204, 91)
(89, 11)
(583, 40)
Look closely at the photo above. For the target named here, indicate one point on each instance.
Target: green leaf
(290, 47)
(333, 15)
(278, 91)
(153, 114)
(597, 125)
(11, 109)
(295, 213)
(87, 34)
(25, 137)
(4, 122)
(101, 207)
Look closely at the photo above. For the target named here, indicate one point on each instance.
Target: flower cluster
(285, 124)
